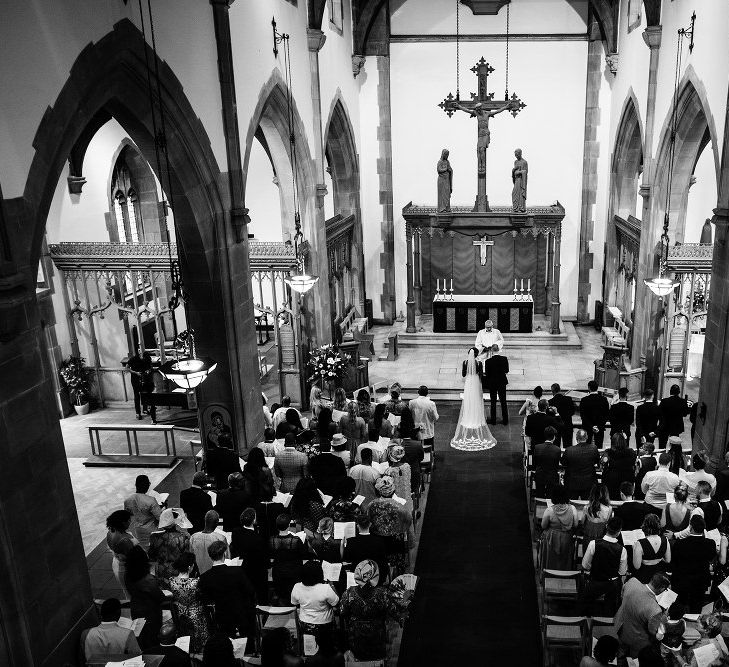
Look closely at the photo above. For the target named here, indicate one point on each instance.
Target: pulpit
(357, 372)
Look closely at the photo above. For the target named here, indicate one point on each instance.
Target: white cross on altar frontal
(484, 245)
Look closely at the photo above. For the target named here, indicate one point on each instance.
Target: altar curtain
(465, 259)
(525, 260)
(426, 297)
(502, 264)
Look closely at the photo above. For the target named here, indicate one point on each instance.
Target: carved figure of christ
(484, 246)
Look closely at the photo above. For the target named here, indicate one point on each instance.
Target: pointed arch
(627, 158)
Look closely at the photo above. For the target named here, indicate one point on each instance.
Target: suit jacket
(327, 471)
(290, 466)
(546, 463)
(229, 505)
(673, 409)
(537, 422)
(196, 503)
(690, 559)
(565, 408)
(174, 656)
(221, 462)
(229, 589)
(632, 513)
(631, 621)
(362, 547)
(495, 369)
(594, 410)
(253, 549)
(646, 419)
(414, 455)
(579, 462)
(622, 416)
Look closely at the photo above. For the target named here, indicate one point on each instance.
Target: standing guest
(222, 461)
(672, 411)
(622, 415)
(566, 409)
(145, 596)
(639, 606)
(495, 370)
(280, 414)
(109, 638)
(288, 553)
(379, 422)
(186, 600)
(326, 427)
(647, 415)
(316, 402)
(671, 627)
(145, 511)
(169, 542)
(676, 515)
(631, 512)
(267, 416)
(218, 652)
(413, 446)
(690, 565)
(200, 542)
(290, 424)
(340, 400)
(340, 449)
(579, 463)
(306, 504)
(343, 508)
(529, 408)
(395, 404)
(174, 656)
(232, 501)
(699, 474)
(537, 423)
(120, 541)
(323, 544)
(277, 649)
(141, 370)
(376, 445)
(605, 652)
(291, 465)
(353, 428)
(652, 552)
(365, 476)
(327, 469)
(647, 462)
(365, 546)
(270, 445)
(258, 478)
(597, 513)
(657, 483)
(605, 562)
(391, 520)
(546, 463)
(594, 410)
(619, 463)
(399, 470)
(710, 508)
(195, 501)
(675, 451)
(559, 524)
(364, 404)
(247, 544)
(425, 414)
(228, 588)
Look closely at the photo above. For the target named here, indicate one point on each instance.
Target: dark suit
(594, 410)
(221, 462)
(546, 466)
(566, 409)
(253, 549)
(621, 416)
(327, 471)
(228, 588)
(196, 503)
(230, 504)
(174, 656)
(632, 512)
(414, 455)
(495, 370)
(579, 463)
(646, 422)
(690, 559)
(672, 410)
(537, 422)
(362, 547)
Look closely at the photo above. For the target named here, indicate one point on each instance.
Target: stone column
(555, 285)
(549, 237)
(644, 301)
(411, 299)
(417, 268)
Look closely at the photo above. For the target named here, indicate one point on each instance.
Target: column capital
(721, 216)
(316, 39)
(652, 36)
(611, 60)
(357, 64)
(320, 192)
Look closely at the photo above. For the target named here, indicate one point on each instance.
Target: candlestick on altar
(522, 284)
(451, 284)
(529, 284)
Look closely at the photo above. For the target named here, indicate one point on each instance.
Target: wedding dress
(472, 432)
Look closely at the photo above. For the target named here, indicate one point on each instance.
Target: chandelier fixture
(191, 371)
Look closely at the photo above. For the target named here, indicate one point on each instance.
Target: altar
(464, 313)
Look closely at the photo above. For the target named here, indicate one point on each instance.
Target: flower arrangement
(75, 376)
(327, 364)
(308, 448)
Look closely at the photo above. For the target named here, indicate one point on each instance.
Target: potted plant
(75, 376)
(327, 365)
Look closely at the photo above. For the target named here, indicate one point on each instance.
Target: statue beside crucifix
(445, 182)
(482, 107)
(519, 178)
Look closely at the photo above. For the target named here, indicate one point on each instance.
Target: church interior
(253, 256)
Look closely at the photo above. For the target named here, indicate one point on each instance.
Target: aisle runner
(476, 601)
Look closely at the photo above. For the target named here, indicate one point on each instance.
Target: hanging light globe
(302, 282)
(661, 286)
(188, 373)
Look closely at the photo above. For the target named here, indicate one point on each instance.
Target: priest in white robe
(486, 338)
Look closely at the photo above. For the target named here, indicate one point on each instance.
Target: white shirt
(425, 414)
(109, 638)
(693, 478)
(485, 339)
(316, 603)
(280, 416)
(199, 543)
(655, 485)
(590, 554)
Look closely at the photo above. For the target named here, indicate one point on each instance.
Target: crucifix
(482, 107)
(484, 244)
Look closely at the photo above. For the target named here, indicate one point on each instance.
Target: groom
(495, 369)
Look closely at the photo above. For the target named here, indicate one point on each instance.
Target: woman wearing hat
(340, 448)
(169, 542)
(399, 470)
(391, 520)
(364, 607)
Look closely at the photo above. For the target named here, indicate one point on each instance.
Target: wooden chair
(563, 633)
(560, 586)
(268, 618)
(540, 507)
(601, 626)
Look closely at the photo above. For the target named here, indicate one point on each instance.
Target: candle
(437, 284)
(515, 284)
(529, 284)
(451, 284)
(522, 284)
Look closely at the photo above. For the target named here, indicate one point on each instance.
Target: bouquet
(327, 363)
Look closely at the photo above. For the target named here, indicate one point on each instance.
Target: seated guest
(391, 520)
(277, 649)
(395, 404)
(306, 504)
(621, 416)
(379, 422)
(327, 469)
(108, 638)
(364, 404)
(288, 553)
(546, 463)
(364, 608)
(619, 464)
(340, 449)
(145, 596)
(323, 544)
(270, 445)
(228, 588)
(247, 544)
(187, 603)
(631, 512)
(559, 524)
(399, 470)
(597, 513)
(699, 474)
(638, 608)
(676, 515)
(291, 465)
(605, 651)
(342, 508)
(365, 476)
(195, 501)
(316, 601)
(579, 464)
(652, 552)
(353, 428)
(647, 463)
(379, 451)
(174, 656)
(605, 562)
(200, 542)
(364, 546)
(221, 461)
(258, 478)
(647, 415)
(219, 652)
(690, 565)
(710, 507)
(656, 483)
(169, 542)
(145, 511)
(232, 501)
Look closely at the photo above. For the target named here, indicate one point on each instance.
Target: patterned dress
(165, 547)
(191, 618)
(365, 610)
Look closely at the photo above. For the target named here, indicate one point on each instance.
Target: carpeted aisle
(477, 601)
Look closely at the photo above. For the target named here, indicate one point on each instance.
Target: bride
(472, 433)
